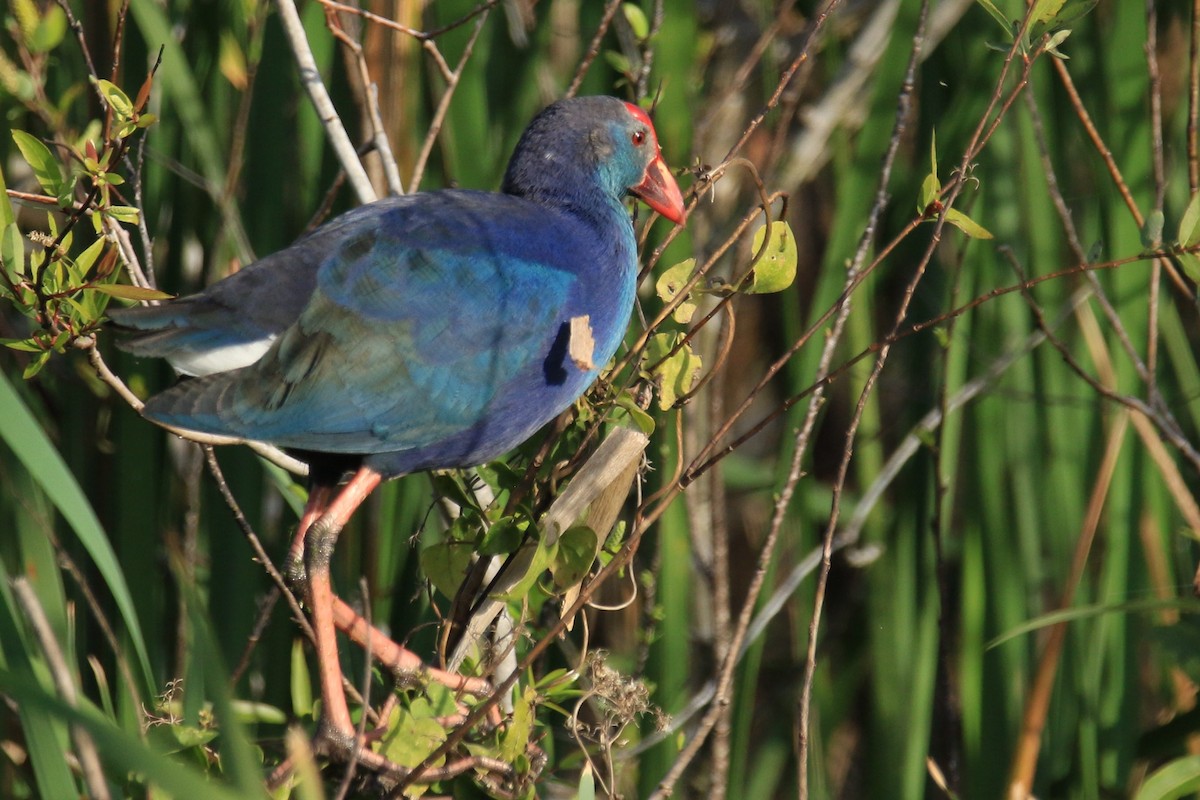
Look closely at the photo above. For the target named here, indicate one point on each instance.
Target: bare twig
(439, 116)
(311, 78)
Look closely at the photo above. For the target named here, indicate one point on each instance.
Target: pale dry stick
(379, 138)
(85, 748)
(129, 257)
(610, 461)
(1033, 721)
(310, 76)
(439, 115)
(619, 562)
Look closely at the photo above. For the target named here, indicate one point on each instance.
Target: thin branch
(310, 76)
(439, 116)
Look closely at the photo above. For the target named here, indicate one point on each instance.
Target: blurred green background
(993, 479)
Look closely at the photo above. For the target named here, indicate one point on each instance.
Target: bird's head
(597, 141)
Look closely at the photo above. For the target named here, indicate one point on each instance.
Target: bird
(435, 330)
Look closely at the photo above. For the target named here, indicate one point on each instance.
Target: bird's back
(421, 332)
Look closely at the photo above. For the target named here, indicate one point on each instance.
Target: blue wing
(422, 324)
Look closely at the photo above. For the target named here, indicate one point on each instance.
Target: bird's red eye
(639, 138)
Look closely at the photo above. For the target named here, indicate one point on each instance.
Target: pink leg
(399, 660)
(319, 540)
(319, 498)
(324, 516)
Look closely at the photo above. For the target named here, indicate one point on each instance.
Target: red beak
(659, 190)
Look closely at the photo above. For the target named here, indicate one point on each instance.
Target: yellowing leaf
(776, 270)
(636, 19)
(127, 292)
(1189, 226)
(671, 283)
(676, 375)
(120, 103)
(233, 62)
(967, 225)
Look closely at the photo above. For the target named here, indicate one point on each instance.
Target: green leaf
(120, 103)
(7, 217)
(577, 549)
(543, 557)
(671, 283)
(88, 257)
(36, 365)
(776, 270)
(636, 19)
(967, 225)
(1191, 265)
(45, 166)
(1004, 21)
(618, 62)
(520, 727)
(676, 375)
(1189, 226)
(410, 740)
(503, 537)
(301, 682)
(445, 564)
(1177, 779)
(127, 214)
(1053, 15)
(127, 292)
(1054, 41)
(12, 251)
(931, 187)
(24, 435)
(587, 784)
(1152, 230)
(626, 404)
(49, 32)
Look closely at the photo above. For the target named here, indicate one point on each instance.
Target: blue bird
(428, 331)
